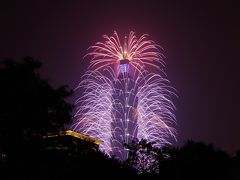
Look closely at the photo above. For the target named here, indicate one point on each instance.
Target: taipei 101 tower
(124, 113)
(126, 96)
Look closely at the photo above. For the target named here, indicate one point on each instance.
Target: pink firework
(140, 52)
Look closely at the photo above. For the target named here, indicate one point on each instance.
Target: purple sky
(201, 43)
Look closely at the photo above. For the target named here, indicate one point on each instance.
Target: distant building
(69, 142)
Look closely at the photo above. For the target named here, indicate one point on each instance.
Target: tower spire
(125, 48)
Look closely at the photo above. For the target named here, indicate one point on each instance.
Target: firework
(122, 101)
(141, 53)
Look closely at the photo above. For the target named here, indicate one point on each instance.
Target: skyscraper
(124, 112)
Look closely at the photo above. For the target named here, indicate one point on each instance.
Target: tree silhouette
(143, 156)
(29, 104)
(196, 160)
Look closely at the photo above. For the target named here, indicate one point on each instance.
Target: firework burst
(122, 101)
(141, 53)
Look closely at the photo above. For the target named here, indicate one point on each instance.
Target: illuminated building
(69, 141)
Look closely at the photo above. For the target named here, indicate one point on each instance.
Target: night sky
(201, 42)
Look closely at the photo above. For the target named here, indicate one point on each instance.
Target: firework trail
(124, 102)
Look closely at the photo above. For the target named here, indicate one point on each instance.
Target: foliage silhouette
(29, 105)
(195, 160)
